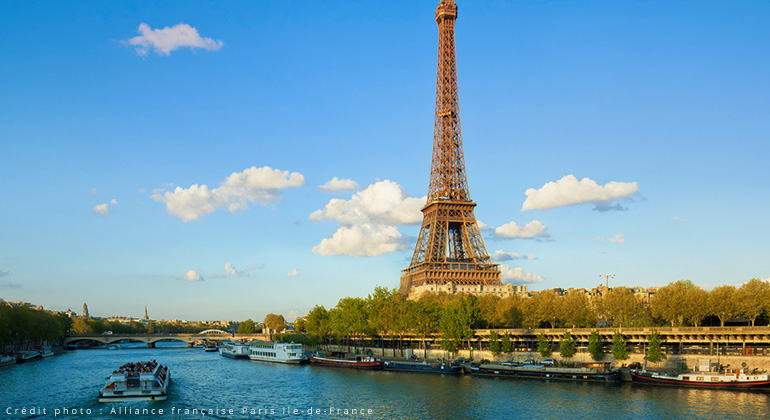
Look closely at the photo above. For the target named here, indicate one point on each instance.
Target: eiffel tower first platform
(450, 255)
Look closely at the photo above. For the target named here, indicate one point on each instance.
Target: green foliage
(506, 344)
(654, 348)
(318, 323)
(19, 324)
(456, 320)
(619, 306)
(304, 339)
(577, 310)
(567, 346)
(544, 346)
(494, 343)
(596, 346)
(274, 322)
(246, 327)
(619, 349)
(722, 303)
(753, 298)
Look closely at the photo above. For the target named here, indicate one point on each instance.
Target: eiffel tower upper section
(449, 248)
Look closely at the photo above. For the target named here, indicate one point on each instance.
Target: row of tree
(679, 303)
(386, 313)
(81, 325)
(23, 326)
(273, 323)
(567, 346)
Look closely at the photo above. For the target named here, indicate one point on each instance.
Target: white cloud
(518, 275)
(104, 208)
(101, 209)
(363, 240)
(193, 275)
(229, 269)
(168, 39)
(533, 229)
(383, 202)
(293, 273)
(501, 255)
(569, 191)
(483, 226)
(336, 185)
(259, 185)
(94, 191)
(368, 221)
(4, 273)
(617, 239)
(678, 219)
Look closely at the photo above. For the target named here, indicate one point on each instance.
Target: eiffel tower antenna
(449, 250)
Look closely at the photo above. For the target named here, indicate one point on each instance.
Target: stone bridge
(151, 339)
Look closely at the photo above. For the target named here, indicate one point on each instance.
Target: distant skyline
(222, 161)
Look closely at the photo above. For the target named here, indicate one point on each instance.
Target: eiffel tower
(450, 253)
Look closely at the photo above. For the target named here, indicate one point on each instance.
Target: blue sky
(225, 160)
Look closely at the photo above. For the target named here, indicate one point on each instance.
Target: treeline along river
(208, 386)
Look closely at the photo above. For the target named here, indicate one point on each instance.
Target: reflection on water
(214, 384)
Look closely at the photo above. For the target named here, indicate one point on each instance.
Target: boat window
(714, 379)
(685, 378)
(699, 378)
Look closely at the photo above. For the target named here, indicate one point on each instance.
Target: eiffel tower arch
(450, 255)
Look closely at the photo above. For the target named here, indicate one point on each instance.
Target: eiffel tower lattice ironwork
(449, 247)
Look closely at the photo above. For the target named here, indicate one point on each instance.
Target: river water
(207, 385)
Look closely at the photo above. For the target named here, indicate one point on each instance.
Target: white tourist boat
(142, 381)
(234, 350)
(267, 351)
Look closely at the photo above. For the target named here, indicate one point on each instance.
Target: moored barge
(736, 379)
(425, 366)
(346, 361)
(600, 373)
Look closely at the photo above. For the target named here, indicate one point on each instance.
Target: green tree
(506, 345)
(489, 315)
(274, 322)
(619, 306)
(543, 308)
(456, 320)
(567, 346)
(299, 325)
(672, 302)
(425, 315)
(494, 343)
(596, 346)
(349, 319)
(544, 346)
(80, 326)
(753, 298)
(577, 310)
(509, 312)
(318, 323)
(721, 302)
(246, 327)
(654, 348)
(619, 349)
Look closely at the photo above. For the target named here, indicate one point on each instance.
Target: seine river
(206, 385)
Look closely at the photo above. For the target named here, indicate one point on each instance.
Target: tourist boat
(143, 381)
(590, 373)
(210, 346)
(347, 361)
(276, 352)
(28, 356)
(7, 360)
(728, 379)
(235, 350)
(424, 366)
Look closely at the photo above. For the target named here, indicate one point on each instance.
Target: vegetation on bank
(386, 313)
(22, 325)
